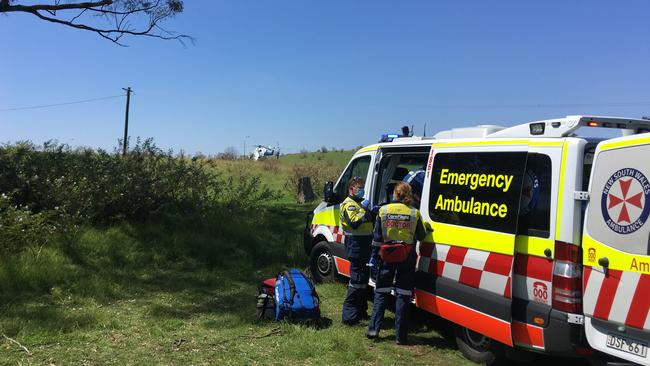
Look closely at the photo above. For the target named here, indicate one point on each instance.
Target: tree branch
(117, 13)
(6, 7)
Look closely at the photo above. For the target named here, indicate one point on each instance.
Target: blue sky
(335, 73)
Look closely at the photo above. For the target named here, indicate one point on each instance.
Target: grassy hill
(276, 172)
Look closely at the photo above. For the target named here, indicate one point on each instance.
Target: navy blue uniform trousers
(355, 305)
(404, 275)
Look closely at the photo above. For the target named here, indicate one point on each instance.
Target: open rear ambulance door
(616, 244)
(466, 275)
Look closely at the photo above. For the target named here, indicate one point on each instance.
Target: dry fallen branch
(18, 344)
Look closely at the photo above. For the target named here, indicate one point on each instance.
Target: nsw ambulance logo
(624, 202)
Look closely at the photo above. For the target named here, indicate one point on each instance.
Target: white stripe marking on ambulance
(475, 259)
(592, 290)
(440, 252)
(623, 297)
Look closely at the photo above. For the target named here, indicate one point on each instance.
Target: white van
(540, 237)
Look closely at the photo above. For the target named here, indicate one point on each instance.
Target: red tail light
(567, 278)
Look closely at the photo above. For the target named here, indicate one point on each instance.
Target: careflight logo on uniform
(625, 201)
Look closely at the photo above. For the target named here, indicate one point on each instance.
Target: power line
(59, 104)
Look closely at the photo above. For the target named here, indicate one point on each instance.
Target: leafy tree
(111, 19)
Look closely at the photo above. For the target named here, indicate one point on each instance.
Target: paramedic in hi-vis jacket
(397, 228)
(356, 220)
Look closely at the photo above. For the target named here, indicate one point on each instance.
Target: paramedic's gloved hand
(374, 209)
(374, 261)
(365, 204)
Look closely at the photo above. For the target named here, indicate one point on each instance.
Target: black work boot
(372, 334)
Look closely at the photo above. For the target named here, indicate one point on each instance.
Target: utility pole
(126, 120)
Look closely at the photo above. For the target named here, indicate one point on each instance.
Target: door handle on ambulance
(603, 262)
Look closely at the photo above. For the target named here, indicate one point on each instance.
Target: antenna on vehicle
(425, 130)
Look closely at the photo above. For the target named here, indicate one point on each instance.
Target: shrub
(229, 154)
(97, 187)
(242, 191)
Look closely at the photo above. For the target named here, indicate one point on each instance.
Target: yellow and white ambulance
(540, 239)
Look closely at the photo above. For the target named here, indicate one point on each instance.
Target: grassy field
(274, 173)
(196, 317)
(111, 307)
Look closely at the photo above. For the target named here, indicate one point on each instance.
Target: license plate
(627, 345)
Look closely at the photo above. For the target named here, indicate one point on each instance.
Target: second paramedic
(398, 227)
(356, 221)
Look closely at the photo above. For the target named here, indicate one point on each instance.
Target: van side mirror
(328, 193)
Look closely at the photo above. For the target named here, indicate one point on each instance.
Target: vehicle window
(535, 202)
(477, 189)
(358, 168)
(394, 168)
(590, 149)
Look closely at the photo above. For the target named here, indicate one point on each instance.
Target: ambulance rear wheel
(477, 347)
(322, 262)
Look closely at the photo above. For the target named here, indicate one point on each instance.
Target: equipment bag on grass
(266, 299)
(295, 297)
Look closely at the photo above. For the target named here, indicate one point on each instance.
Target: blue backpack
(295, 297)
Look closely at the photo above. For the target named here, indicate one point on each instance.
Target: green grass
(274, 173)
(196, 317)
(170, 293)
(338, 158)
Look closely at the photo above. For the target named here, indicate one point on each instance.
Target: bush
(97, 187)
(229, 154)
(52, 190)
(242, 191)
(20, 228)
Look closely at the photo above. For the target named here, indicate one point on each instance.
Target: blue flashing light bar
(388, 137)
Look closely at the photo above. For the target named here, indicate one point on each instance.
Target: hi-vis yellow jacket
(398, 222)
(355, 220)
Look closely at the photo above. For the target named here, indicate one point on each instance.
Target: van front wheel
(321, 262)
(477, 347)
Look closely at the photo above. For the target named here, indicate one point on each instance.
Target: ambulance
(540, 239)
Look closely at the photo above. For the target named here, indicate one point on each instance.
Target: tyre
(477, 347)
(321, 263)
